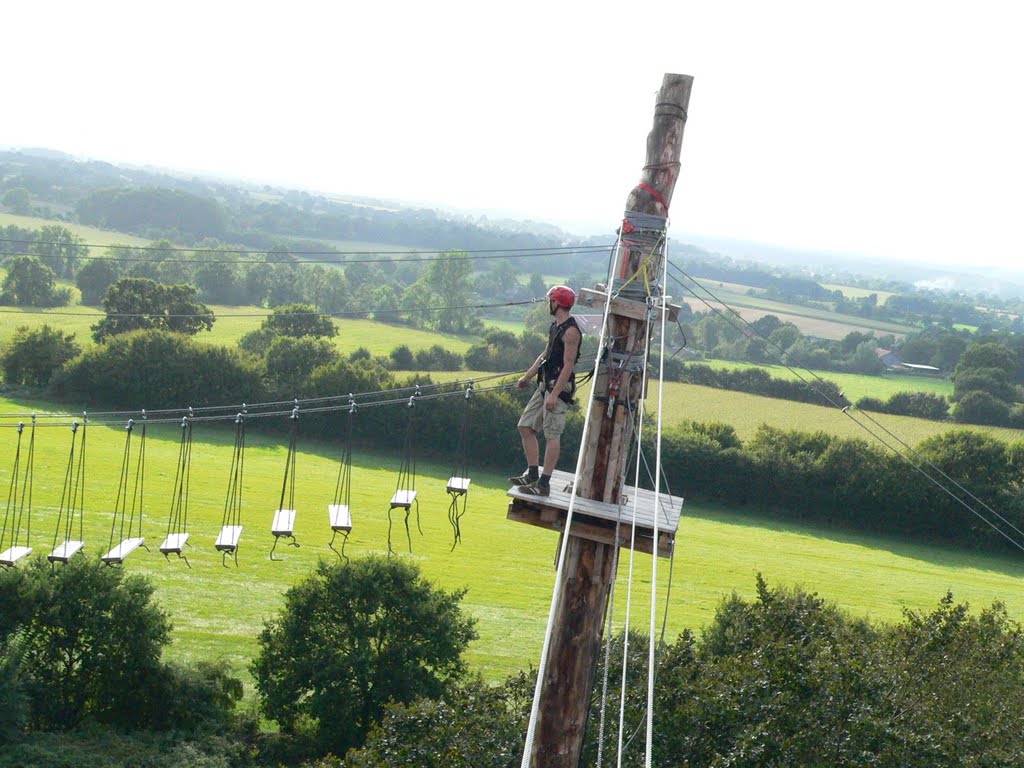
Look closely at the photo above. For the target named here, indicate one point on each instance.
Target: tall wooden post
(575, 644)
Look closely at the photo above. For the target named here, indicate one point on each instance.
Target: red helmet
(563, 296)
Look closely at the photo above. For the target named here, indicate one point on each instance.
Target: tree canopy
(134, 303)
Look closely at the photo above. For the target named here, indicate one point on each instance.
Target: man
(556, 387)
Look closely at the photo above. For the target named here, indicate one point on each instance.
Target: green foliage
(153, 210)
(60, 249)
(298, 320)
(979, 407)
(95, 278)
(134, 303)
(35, 355)
(921, 405)
(351, 639)
(30, 283)
(90, 644)
(402, 358)
(472, 725)
(155, 368)
(289, 361)
(18, 200)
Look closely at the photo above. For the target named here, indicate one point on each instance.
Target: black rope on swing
(288, 485)
(177, 519)
(19, 509)
(231, 521)
(405, 486)
(458, 484)
(72, 500)
(343, 489)
(123, 520)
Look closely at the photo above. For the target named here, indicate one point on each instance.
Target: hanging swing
(177, 520)
(458, 483)
(283, 525)
(19, 508)
(405, 487)
(340, 512)
(231, 522)
(123, 527)
(72, 503)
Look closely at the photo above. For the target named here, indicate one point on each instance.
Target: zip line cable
(845, 408)
(383, 256)
(339, 315)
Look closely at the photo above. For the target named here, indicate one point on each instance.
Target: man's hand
(550, 401)
(523, 383)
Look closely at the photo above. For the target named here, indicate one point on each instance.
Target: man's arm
(571, 342)
(524, 380)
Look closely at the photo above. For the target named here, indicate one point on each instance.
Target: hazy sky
(885, 128)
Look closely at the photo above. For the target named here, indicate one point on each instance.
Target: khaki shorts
(538, 418)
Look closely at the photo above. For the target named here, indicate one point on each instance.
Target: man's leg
(530, 447)
(552, 447)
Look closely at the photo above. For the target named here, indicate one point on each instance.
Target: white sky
(885, 128)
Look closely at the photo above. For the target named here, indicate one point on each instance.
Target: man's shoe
(523, 479)
(536, 488)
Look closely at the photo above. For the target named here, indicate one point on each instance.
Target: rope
(233, 499)
(560, 568)
(343, 490)
(12, 496)
(288, 484)
(460, 470)
(406, 482)
(177, 518)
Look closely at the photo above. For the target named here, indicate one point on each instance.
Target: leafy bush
(352, 639)
(35, 354)
(154, 369)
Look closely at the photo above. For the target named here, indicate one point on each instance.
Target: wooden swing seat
(14, 554)
(458, 484)
(65, 551)
(341, 517)
(403, 499)
(227, 541)
(122, 550)
(174, 543)
(284, 523)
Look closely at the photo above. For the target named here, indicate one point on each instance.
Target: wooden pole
(579, 614)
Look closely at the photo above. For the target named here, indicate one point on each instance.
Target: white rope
(657, 506)
(560, 569)
(629, 583)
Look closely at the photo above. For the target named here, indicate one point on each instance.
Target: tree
(30, 283)
(351, 639)
(60, 249)
(289, 362)
(448, 278)
(18, 200)
(35, 354)
(95, 278)
(90, 643)
(298, 320)
(134, 303)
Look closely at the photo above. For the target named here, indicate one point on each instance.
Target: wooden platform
(596, 519)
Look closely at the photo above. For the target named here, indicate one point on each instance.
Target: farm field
(858, 293)
(810, 321)
(747, 412)
(91, 235)
(854, 385)
(505, 567)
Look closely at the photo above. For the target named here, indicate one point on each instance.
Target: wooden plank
(637, 310)
(588, 528)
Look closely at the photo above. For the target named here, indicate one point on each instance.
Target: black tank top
(554, 357)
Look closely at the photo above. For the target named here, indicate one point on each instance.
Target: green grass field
(91, 235)
(858, 293)
(506, 567)
(854, 385)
